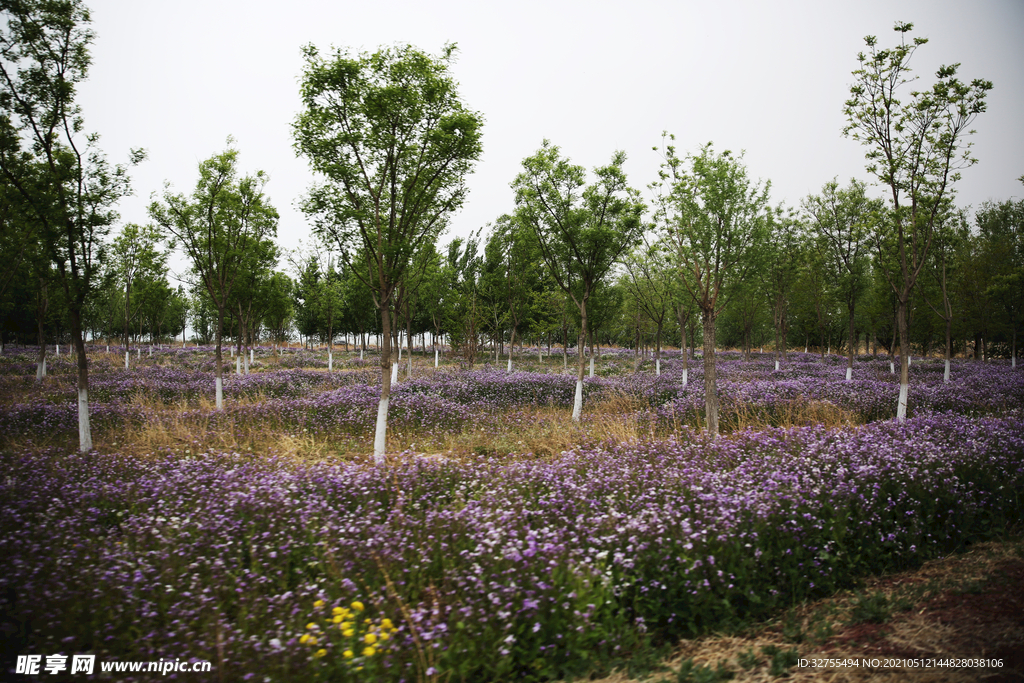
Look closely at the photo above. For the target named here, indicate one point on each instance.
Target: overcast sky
(769, 78)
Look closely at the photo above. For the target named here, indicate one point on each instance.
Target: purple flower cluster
(503, 570)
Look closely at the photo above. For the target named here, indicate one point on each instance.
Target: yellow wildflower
(358, 606)
(369, 651)
(320, 653)
(386, 623)
(339, 610)
(305, 638)
(337, 619)
(318, 604)
(384, 636)
(348, 654)
(311, 625)
(369, 639)
(348, 633)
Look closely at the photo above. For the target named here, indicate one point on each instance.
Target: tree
(581, 230)
(916, 147)
(841, 221)
(67, 187)
(394, 143)
(1001, 229)
(135, 255)
(216, 226)
(648, 281)
(717, 222)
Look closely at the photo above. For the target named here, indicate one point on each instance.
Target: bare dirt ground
(968, 605)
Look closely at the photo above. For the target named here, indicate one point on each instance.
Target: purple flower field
(487, 568)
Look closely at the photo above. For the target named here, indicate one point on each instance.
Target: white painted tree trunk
(892, 368)
(829, 351)
(805, 349)
(360, 354)
(394, 373)
(252, 356)
(127, 358)
(150, 350)
(399, 351)
(776, 366)
(380, 435)
(901, 408)
(245, 363)
(910, 361)
(657, 367)
(849, 374)
(220, 393)
(138, 353)
(945, 374)
(509, 367)
(435, 358)
(232, 350)
(58, 350)
(84, 433)
(41, 370)
(577, 404)
(540, 356)
(238, 365)
(591, 366)
(330, 362)
(686, 379)
(108, 349)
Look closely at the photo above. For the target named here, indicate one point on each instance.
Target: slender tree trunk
(381, 432)
(219, 359)
(903, 331)
(84, 429)
(710, 375)
(577, 404)
(851, 343)
(42, 304)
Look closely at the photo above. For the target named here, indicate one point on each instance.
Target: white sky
(769, 78)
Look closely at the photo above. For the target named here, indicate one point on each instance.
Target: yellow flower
(318, 604)
(312, 640)
(367, 621)
(348, 633)
(339, 610)
(369, 639)
(345, 625)
(311, 625)
(337, 619)
(320, 653)
(384, 636)
(369, 652)
(358, 606)
(386, 623)
(348, 654)
(305, 638)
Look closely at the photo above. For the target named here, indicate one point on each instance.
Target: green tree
(135, 255)
(916, 146)
(65, 184)
(1001, 229)
(394, 143)
(581, 230)
(648, 281)
(215, 226)
(841, 219)
(717, 222)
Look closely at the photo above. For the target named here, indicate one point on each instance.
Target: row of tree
(580, 258)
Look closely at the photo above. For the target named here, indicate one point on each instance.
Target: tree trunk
(851, 344)
(710, 376)
(42, 304)
(219, 370)
(84, 429)
(381, 432)
(577, 404)
(902, 330)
